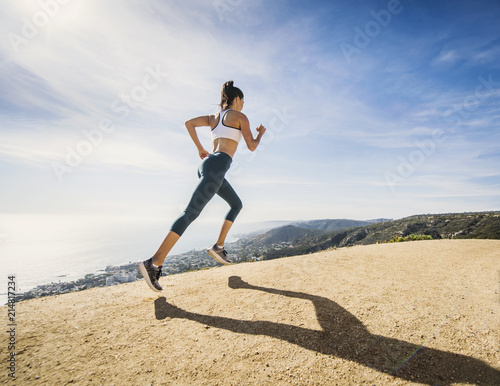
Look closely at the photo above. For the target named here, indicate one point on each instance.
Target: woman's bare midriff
(225, 145)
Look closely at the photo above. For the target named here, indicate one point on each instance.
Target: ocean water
(41, 249)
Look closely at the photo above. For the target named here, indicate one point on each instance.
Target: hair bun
(229, 84)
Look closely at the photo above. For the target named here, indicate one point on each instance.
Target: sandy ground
(422, 312)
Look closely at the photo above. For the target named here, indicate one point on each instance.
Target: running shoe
(219, 254)
(151, 274)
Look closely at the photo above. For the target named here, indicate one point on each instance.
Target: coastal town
(110, 276)
(189, 261)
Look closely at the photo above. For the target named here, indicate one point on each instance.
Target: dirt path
(410, 313)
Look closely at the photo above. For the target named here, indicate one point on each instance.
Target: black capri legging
(212, 173)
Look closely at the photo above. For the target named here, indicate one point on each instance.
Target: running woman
(228, 127)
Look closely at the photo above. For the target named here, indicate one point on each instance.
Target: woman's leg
(211, 174)
(211, 180)
(226, 226)
(165, 247)
(151, 268)
(227, 193)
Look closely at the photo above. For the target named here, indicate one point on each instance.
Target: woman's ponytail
(228, 94)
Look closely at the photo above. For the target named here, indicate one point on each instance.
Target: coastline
(112, 275)
(194, 260)
(66, 250)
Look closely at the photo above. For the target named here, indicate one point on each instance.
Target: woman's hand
(203, 153)
(261, 130)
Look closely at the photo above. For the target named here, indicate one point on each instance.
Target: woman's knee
(237, 204)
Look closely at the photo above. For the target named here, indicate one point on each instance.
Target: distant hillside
(332, 225)
(304, 230)
(484, 225)
(285, 234)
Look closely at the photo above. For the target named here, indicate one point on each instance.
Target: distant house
(121, 277)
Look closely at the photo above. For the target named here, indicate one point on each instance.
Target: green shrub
(412, 237)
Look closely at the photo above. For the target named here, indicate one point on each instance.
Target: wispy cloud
(146, 66)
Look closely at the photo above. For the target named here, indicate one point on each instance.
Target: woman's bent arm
(252, 143)
(191, 126)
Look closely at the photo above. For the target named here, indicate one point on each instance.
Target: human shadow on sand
(344, 336)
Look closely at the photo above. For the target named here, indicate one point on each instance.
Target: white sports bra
(223, 131)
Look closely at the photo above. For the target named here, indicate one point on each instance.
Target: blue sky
(373, 108)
